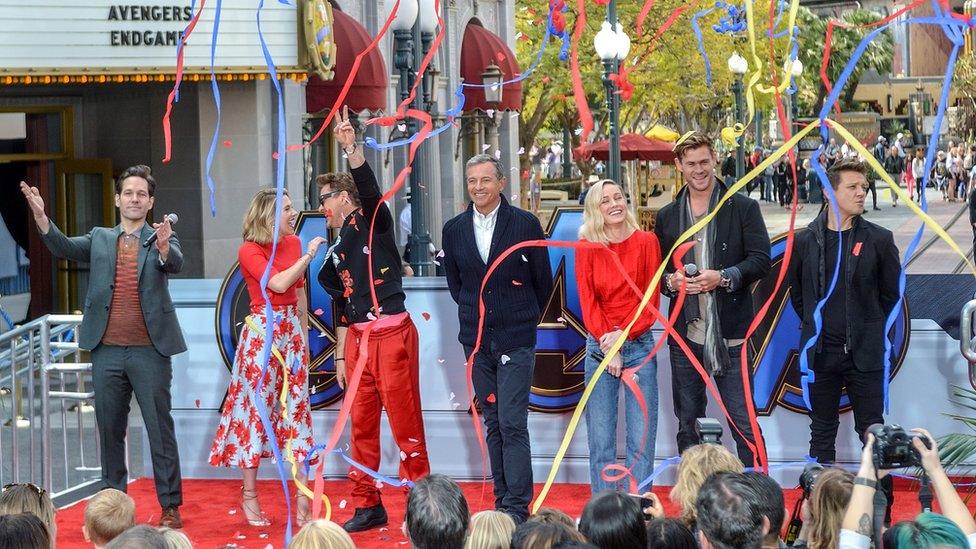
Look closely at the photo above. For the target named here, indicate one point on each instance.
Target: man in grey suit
(130, 327)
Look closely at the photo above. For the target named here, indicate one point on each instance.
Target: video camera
(893, 447)
(709, 430)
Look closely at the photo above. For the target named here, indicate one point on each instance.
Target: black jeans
(688, 392)
(833, 370)
(502, 379)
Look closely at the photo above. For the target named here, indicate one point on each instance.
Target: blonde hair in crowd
(175, 539)
(592, 229)
(259, 219)
(29, 498)
(490, 530)
(697, 463)
(322, 534)
(828, 501)
(108, 514)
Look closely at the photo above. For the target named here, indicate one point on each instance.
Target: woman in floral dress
(241, 439)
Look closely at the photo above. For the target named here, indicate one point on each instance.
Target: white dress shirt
(484, 228)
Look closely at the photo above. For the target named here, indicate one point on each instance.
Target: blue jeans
(601, 413)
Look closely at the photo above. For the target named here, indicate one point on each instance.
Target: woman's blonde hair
(29, 498)
(175, 539)
(592, 228)
(697, 463)
(259, 219)
(828, 501)
(490, 530)
(322, 534)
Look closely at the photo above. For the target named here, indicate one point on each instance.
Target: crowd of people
(130, 323)
(720, 506)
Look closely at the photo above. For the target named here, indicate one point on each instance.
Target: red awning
(480, 48)
(633, 146)
(368, 91)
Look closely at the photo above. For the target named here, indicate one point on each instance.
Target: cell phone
(643, 503)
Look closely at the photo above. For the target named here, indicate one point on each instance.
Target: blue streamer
(668, 462)
(179, 45)
(948, 25)
(215, 89)
(392, 481)
(701, 44)
(271, 320)
(6, 318)
(455, 111)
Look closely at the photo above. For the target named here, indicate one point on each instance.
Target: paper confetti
(426, 315)
(274, 155)
(452, 395)
(516, 283)
(366, 250)
(521, 150)
(197, 402)
(505, 359)
(490, 113)
(228, 144)
(342, 504)
(440, 361)
(485, 147)
(498, 154)
(318, 312)
(403, 455)
(561, 319)
(402, 127)
(456, 405)
(524, 258)
(491, 398)
(515, 197)
(384, 269)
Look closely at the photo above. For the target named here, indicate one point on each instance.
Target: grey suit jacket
(98, 248)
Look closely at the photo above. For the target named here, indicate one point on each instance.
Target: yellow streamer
(648, 294)
(283, 399)
(879, 169)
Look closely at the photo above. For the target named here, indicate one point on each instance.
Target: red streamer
(586, 118)
(167, 134)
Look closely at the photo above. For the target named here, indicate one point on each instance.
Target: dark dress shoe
(171, 518)
(366, 518)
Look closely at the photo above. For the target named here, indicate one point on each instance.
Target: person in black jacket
(849, 351)
(731, 252)
(391, 372)
(514, 297)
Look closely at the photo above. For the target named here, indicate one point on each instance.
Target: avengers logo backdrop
(560, 349)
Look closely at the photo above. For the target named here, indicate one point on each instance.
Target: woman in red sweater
(609, 303)
(241, 439)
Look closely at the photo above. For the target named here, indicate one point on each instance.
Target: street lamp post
(796, 69)
(738, 66)
(492, 78)
(612, 46)
(408, 30)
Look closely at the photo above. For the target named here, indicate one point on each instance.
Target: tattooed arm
(857, 518)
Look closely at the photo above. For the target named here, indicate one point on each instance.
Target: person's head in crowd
(927, 530)
(175, 539)
(322, 534)
(108, 514)
(669, 533)
(544, 535)
(613, 520)
(828, 501)
(23, 531)
(140, 536)
(490, 530)
(848, 178)
(29, 498)
(697, 463)
(574, 545)
(485, 180)
(550, 516)
(605, 206)
(729, 515)
(771, 504)
(437, 514)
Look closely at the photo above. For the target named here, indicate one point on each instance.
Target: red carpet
(212, 515)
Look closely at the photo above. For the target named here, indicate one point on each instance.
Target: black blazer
(741, 242)
(517, 291)
(872, 286)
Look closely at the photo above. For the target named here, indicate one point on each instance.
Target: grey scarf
(716, 352)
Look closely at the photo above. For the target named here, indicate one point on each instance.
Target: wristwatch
(725, 281)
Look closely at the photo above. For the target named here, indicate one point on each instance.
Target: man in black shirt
(850, 349)
(371, 305)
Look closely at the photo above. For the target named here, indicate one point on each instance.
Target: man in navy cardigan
(514, 297)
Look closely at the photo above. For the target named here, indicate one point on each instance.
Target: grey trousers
(117, 373)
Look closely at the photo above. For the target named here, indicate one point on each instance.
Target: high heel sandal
(252, 495)
(303, 510)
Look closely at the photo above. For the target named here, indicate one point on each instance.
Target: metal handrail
(967, 343)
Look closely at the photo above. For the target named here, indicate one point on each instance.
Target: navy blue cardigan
(517, 291)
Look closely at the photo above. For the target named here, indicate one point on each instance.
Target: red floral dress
(241, 439)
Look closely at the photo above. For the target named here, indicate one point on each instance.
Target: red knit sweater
(609, 302)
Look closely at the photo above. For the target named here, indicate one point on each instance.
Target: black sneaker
(366, 518)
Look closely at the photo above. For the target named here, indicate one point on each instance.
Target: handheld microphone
(691, 270)
(172, 217)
